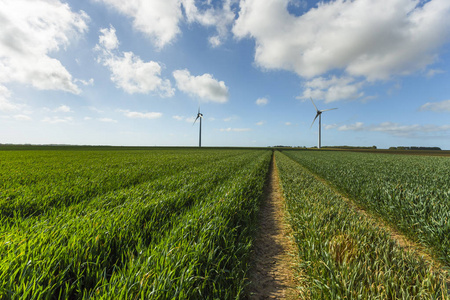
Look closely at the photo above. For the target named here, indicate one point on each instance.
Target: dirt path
(273, 260)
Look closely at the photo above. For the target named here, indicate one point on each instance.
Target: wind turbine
(319, 114)
(199, 116)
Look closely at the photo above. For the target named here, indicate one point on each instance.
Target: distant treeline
(415, 148)
(350, 147)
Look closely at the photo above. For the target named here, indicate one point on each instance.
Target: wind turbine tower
(319, 114)
(199, 116)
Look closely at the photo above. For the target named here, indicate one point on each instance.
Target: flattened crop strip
(274, 257)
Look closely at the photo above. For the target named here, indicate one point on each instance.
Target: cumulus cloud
(128, 71)
(443, 106)
(229, 129)
(221, 18)
(261, 101)
(5, 102)
(31, 31)
(372, 39)
(397, 129)
(205, 87)
(159, 19)
(108, 38)
(333, 89)
(141, 115)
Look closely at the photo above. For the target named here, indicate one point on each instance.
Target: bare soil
(272, 275)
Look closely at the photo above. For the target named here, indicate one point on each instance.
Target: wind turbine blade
(195, 121)
(313, 121)
(328, 109)
(314, 105)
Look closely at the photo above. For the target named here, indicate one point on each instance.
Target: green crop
(140, 223)
(342, 254)
(410, 192)
(159, 224)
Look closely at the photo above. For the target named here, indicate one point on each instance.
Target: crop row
(184, 232)
(31, 182)
(410, 192)
(342, 254)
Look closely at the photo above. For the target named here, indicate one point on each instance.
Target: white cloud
(331, 126)
(186, 119)
(408, 130)
(215, 41)
(128, 71)
(63, 108)
(288, 123)
(108, 38)
(84, 82)
(22, 117)
(433, 72)
(397, 129)
(190, 120)
(57, 120)
(333, 89)
(358, 126)
(141, 115)
(205, 87)
(229, 129)
(159, 19)
(262, 101)
(31, 31)
(443, 106)
(221, 18)
(107, 120)
(260, 123)
(92, 108)
(373, 39)
(5, 103)
(231, 118)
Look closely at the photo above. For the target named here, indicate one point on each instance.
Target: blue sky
(113, 72)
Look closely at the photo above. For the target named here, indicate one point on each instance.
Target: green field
(343, 254)
(410, 192)
(175, 223)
